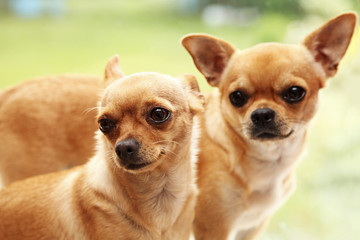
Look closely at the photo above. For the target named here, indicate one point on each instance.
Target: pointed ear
(329, 43)
(112, 70)
(211, 55)
(196, 99)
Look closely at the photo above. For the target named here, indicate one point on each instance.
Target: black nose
(263, 117)
(127, 149)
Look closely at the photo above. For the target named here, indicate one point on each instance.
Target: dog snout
(263, 117)
(127, 149)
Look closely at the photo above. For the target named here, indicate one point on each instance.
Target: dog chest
(260, 204)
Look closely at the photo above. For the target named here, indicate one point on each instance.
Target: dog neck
(152, 199)
(163, 190)
(251, 159)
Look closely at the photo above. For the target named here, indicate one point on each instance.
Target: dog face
(264, 96)
(146, 117)
(270, 91)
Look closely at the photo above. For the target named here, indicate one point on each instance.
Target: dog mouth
(141, 162)
(136, 166)
(269, 135)
(133, 164)
(266, 135)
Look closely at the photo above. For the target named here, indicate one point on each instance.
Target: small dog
(38, 122)
(255, 123)
(139, 185)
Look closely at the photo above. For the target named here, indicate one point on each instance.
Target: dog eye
(293, 94)
(159, 115)
(238, 98)
(106, 125)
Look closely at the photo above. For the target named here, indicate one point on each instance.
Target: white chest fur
(269, 179)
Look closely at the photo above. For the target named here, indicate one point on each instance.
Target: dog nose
(127, 149)
(263, 117)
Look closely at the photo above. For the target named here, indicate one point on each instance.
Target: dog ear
(329, 43)
(112, 70)
(211, 55)
(196, 99)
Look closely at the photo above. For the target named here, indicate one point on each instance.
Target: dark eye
(159, 115)
(106, 125)
(238, 98)
(293, 94)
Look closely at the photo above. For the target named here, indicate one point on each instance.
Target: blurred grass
(146, 35)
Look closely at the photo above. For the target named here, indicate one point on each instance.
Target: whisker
(86, 111)
(166, 141)
(294, 120)
(171, 152)
(243, 127)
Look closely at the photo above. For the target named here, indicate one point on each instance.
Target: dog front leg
(211, 225)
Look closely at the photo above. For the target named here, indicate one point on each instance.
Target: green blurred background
(46, 37)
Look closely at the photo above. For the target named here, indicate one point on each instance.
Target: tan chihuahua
(255, 123)
(139, 185)
(47, 124)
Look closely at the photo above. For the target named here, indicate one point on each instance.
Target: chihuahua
(140, 183)
(48, 124)
(255, 123)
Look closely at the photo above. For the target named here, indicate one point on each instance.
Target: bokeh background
(47, 37)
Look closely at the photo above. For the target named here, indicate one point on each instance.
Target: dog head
(146, 119)
(270, 91)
